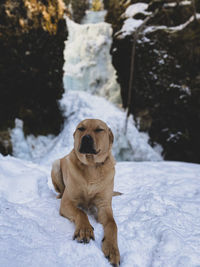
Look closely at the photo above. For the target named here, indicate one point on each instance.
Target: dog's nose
(87, 145)
(87, 139)
(87, 136)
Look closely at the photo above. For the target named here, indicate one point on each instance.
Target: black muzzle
(87, 145)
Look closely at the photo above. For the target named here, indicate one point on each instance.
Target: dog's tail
(115, 193)
(57, 178)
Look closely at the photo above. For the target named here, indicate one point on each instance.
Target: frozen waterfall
(88, 64)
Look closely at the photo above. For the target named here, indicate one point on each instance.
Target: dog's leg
(84, 230)
(109, 242)
(57, 178)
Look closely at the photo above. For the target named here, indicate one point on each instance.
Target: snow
(186, 89)
(172, 29)
(131, 24)
(182, 88)
(184, 25)
(134, 9)
(158, 217)
(181, 3)
(174, 137)
(19, 144)
(78, 105)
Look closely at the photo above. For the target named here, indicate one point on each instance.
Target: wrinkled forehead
(92, 123)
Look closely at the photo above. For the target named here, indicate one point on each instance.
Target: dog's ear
(111, 136)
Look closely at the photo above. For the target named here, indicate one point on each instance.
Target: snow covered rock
(131, 24)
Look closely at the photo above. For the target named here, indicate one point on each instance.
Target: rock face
(165, 94)
(32, 34)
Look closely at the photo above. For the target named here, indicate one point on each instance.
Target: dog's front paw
(111, 252)
(83, 234)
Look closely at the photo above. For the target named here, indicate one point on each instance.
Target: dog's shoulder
(70, 161)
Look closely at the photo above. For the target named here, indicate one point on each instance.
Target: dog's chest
(92, 187)
(88, 184)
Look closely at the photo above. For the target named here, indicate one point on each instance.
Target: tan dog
(85, 178)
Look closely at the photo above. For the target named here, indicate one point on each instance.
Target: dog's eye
(98, 130)
(82, 129)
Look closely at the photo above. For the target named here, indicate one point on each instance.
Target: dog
(85, 178)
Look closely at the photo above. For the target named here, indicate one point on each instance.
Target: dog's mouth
(87, 146)
(91, 151)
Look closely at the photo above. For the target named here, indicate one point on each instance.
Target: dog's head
(92, 141)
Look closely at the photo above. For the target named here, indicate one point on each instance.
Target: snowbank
(77, 106)
(158, 217)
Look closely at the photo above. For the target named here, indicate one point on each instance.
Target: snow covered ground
(158, 217)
